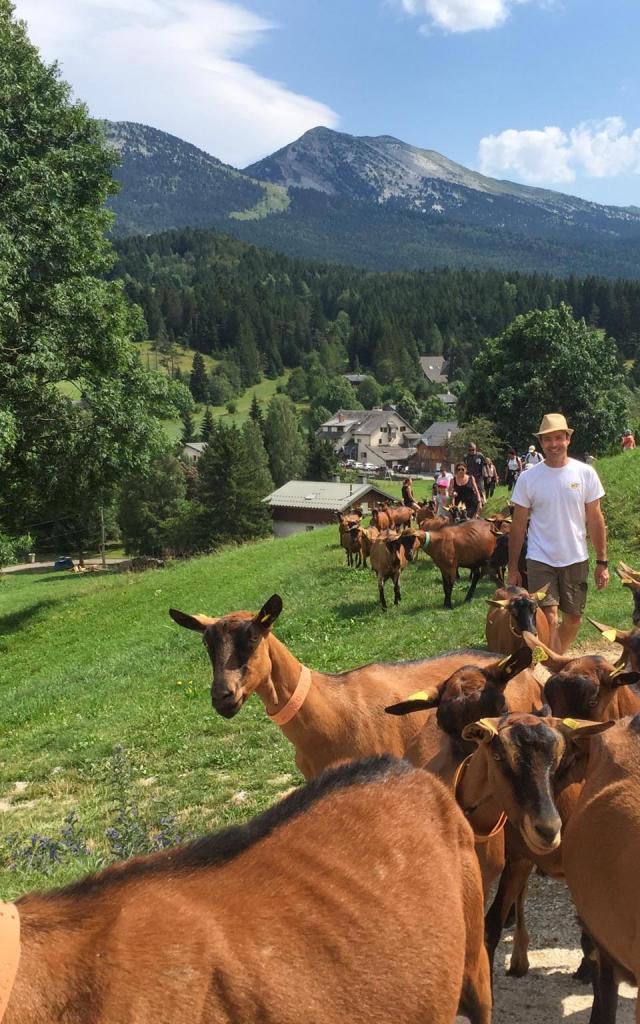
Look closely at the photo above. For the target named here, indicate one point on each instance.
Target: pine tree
(198, 381)
(188, 427)
(207, 425)
(256, 414)
(284, 441)
(322, 463)
(228, 471)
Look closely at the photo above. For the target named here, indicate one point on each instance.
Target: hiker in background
(492, 480)
(532, 458)
(514, 467)
(407, 494)
(627, 441)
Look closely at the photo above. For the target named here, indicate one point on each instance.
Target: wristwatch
(602, 561)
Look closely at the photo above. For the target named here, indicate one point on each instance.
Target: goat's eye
(592, 703)
(497, 757)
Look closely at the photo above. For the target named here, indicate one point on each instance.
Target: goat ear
(620, 677)
(481, 731)
(197, 622)
(498, 604)
(540, 594)
(268, 613)
(502, 671)
(577, 729)
(420, 701)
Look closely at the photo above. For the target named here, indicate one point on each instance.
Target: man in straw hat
(560, 499)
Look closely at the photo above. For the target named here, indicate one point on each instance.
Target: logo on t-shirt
(574, 485)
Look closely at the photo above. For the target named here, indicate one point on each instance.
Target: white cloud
(594, 149)
(174, 64)
(461, 15)
(532, 156)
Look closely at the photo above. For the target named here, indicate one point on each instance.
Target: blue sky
(545, 92)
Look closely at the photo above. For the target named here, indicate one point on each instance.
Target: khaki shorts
(567, 584)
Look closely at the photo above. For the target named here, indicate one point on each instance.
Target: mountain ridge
(372, 201)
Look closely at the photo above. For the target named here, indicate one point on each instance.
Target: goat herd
(360, 897)
(391, 542)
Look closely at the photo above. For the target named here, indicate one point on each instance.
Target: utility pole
(104, 561)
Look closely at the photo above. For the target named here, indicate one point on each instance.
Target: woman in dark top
(464, 491)
(407, 493)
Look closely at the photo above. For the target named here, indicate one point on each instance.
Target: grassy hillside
(90, 663)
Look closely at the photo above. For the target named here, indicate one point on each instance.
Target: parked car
(64, 562)
(369, 466)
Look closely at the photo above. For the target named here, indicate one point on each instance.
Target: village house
(435, 369)
(432, 450)
(303, 505)
(193, 450)
(362, 435)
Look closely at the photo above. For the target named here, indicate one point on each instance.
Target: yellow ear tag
(540, 594)
(488, 725)
(503, 662)
(265, 619)
(617, 671)
(538, 656)
(419, 695)
(610, 635)
(570, 723)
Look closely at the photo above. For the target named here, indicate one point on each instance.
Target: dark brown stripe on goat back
(218, 848)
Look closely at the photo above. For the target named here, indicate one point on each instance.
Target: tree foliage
(284, 442)
(233, 479)
(78, 410)
(547, 361)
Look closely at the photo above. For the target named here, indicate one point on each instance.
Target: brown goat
(468, 545)
(367, 538)
(390, 517)
(348, 526)
(276, 920)
(390, 554)
(514, 610)
(588, 687)
(600, 853)
(631, 579)
(532, 769)
(470, 693)
(342, 716)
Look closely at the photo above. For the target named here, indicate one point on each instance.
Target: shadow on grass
(356, 609)
(76, 577)
(16, 620)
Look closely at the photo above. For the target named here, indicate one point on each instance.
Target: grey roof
(433, 368)
(315, 494)
(198, 446)
(397, 452)
(355, 378)
(438, 433)
(448, 398)
(366, 420)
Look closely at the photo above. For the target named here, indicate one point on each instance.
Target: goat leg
(382, 599)
(605, 990)
(475, 576)
(396, 591)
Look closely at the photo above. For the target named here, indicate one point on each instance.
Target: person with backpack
(514, 467)
(532, 458)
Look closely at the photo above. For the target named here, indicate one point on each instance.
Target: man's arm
(516, 540)
(597, 530)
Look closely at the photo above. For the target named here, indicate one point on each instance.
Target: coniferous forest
(266, 311)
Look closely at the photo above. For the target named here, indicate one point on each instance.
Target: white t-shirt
(556, 497)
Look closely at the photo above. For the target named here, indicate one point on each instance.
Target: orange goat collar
(9, 951)
(296, 700)
(502, 820)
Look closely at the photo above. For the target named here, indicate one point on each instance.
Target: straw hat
(532, 447)
(551, 422)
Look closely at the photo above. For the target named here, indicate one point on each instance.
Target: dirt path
(549, 993)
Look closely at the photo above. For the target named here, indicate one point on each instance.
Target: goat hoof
(518, 968)
(583, 974)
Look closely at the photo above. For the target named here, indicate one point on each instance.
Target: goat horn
(610, 633)
(554, 660)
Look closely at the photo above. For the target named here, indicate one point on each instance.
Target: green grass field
(264, 392)
(91, 662)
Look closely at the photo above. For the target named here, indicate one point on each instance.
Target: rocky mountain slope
(374, 202)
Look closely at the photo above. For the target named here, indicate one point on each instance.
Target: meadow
(106, 707)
